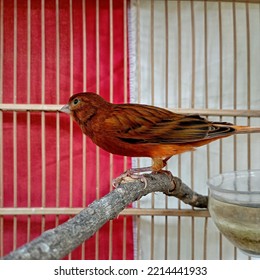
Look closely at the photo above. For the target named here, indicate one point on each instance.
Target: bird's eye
(75, 101)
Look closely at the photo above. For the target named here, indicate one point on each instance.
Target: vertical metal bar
(166, 11)
(220, 74)
(84, 145)
(138, 35)
(111, 61)
(193, 65)
(193, 55)
(220, 100)
(29, 189)
(125, 64)
(15, 126)
(138, 38)
(71, 121)
(111, 53)
(220, 62)
(152, 92)
(206, 54)
(166, 105)
(205, 238)
(248, 38)
(235, 88)
(125, 100)
(125, 59)
(152, 49)
(57, 203)
(97, 148)
(138, 236)
(124, 237)
(139, 76)
(1, 127)
(220, 56)
(235, 75)
(179, 105)
(43, 146)
(179, 53)
(206, 105)
(84, 35)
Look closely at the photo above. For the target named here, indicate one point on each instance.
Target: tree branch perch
(60, 241)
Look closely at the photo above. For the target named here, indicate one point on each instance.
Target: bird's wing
(135, 123)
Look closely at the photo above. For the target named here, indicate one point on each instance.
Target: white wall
(201, 74)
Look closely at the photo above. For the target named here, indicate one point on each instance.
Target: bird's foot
(131, 175)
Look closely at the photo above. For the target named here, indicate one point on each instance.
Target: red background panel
(52, 49)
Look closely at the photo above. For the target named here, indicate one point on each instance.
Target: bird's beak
(65, 109)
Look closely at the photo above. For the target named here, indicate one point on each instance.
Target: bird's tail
(246, 129)
(225, 129)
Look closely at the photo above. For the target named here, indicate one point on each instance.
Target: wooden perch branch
(60, 241)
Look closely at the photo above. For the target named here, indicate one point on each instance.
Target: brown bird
(137, 130)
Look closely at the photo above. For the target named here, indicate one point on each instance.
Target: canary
(138, 130)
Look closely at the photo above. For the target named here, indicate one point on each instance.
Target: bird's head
(83, 105)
